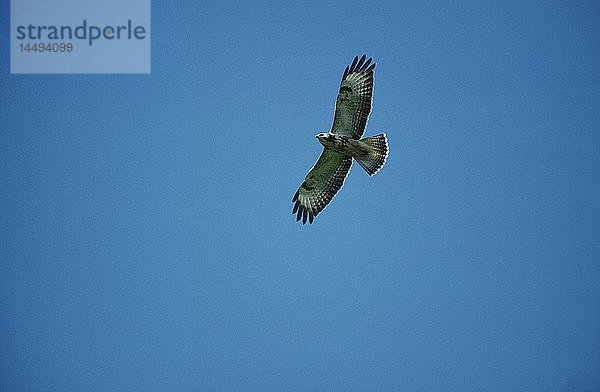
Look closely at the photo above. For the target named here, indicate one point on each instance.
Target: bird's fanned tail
(378, 154)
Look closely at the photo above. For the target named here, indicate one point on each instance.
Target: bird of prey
(343, 143)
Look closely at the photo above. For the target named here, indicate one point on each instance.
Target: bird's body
(343, 143)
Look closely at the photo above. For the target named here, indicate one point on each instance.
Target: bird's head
(324, 138)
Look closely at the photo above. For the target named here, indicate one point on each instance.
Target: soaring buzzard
(343, 143)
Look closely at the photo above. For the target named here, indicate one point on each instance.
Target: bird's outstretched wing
(353, 103)
(321, 184)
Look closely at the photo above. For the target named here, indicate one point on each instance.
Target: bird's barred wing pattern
(353, 103)
(321, 184)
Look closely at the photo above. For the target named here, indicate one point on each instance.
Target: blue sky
(147, 241)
